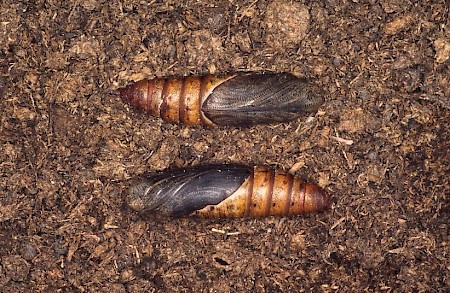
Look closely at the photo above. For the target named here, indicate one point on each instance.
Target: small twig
(225, 232)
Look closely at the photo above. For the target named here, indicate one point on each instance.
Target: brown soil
(380, 145)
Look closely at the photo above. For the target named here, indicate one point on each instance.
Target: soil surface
(69, 148)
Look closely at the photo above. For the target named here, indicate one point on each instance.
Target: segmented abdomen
(233, 100)
(227, 191)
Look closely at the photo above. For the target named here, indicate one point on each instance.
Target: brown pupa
(226, 191)
(231, 100)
